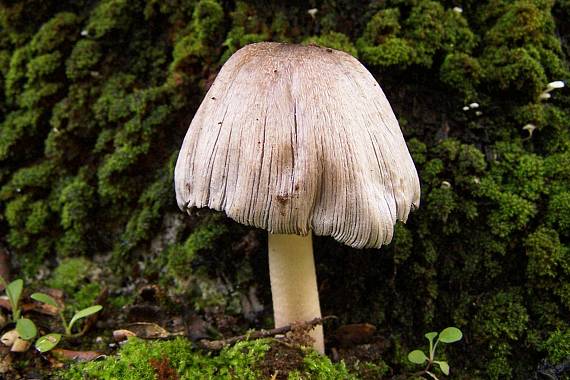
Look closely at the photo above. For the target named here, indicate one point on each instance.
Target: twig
(216, 345)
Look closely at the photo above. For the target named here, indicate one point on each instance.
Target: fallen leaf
(122, 334)
(9, 338)
(76, 356)
(21, 345)
(147, 330)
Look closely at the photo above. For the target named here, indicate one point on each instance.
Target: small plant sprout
(26, 329)
(19, 338)
(14, 292)
(447, 335)
(49, 341)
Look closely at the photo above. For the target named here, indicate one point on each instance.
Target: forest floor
(153, 318)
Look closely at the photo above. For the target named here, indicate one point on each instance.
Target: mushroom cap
(294, 139)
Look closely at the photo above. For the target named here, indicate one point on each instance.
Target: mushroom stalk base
(294, 283)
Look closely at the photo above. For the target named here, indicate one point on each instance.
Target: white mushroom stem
(294, 283)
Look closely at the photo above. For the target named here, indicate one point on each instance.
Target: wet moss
(146, 360)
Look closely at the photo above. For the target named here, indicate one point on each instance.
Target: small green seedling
(25, 327)
(14, 293)
(49, 341)
(448, 335)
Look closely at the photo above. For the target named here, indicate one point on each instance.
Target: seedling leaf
(47, 342)
(417, 357)
(44, 298)
(430, 336)
(84, 313)
(444, 367)
(14, 291)
(450, 335)
(26, 328)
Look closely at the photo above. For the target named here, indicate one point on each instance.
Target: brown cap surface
(295, 139)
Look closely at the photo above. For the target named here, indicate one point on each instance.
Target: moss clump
(72, 276)
(202, 239)
(558, 346)
(389, 40)
(70, 273)
(334, 40)
(142, 360)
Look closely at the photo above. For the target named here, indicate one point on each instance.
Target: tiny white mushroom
(466, 108)
(84, 33)
(530, 128)
(313, 12)
(445, 185)
(474, 105)
(554, 85)
(478, 113)
(544, 96)
(458, 9)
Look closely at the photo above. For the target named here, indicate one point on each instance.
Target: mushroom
(298, 140)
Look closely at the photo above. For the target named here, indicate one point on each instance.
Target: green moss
(318, 367)
(74, 277)
(334, 40)
(523, 22)
(558, 346)
(84, 56)
(559, 212)
(544, 252)
(84, 297)
(108, 16)
(74, 202)
(426, 30)
(200, 38)
(70, 274)
(203, 237)
(463, 73)
(515, 70)
(43, 65)
(139, 359)
(247, 28)
(502, 316)
(59, 30)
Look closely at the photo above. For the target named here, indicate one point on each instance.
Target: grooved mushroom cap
(295, 139)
